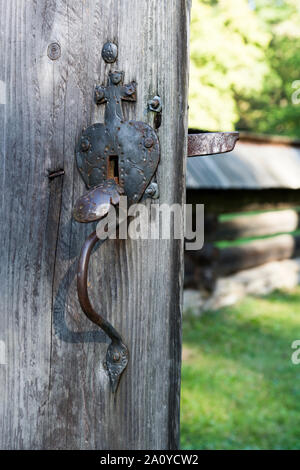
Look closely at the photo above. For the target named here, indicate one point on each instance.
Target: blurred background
(240, 388)
(245, 58)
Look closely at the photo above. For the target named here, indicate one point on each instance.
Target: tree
(245, 58)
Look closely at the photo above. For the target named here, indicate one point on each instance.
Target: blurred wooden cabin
(251, 198)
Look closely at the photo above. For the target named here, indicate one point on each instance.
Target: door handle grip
(117, 352)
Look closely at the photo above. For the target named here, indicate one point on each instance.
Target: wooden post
(54, 390)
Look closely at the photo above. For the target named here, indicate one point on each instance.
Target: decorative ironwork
(114, 158)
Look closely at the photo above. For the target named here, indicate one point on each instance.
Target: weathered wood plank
(203, 267)
(54, 388)
(29, 222)
(256, 253)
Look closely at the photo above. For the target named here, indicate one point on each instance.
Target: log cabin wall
(251, 224)
(236, 242)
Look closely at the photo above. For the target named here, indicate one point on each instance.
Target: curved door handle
(117, 352)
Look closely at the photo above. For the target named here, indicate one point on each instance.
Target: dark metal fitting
(155, 104)
(115, 157)
(85, 144)
(148, 142)
(109, 52)
(116, 78)
(55, 174)
(130, 89)
(99, 94)
(54, 51)
(152, 191)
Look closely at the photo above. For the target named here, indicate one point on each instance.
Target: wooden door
(54, 389)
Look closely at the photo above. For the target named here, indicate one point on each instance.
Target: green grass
(240, 389)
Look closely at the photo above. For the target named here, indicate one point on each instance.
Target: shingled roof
(257, 162)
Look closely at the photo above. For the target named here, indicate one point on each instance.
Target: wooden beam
(256, 253)
(54, 388)
(203, 267)
(252, 226)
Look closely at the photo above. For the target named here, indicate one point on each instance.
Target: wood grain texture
(54, 390)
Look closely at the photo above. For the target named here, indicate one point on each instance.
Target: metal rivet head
(109, 52)
(155, 104)
(130, 89)
(85, 144)
(54, 51)
(148, 142)
(152, 191)
(116, 357)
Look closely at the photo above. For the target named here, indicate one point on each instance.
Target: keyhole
(113, 168)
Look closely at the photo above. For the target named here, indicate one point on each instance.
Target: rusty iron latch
(114, 158)
(211, 143)
(118, 158)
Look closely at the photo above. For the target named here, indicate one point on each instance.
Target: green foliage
(240, 389)
(243, 65)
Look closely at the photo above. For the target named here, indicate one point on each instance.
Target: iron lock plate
(132, 146)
